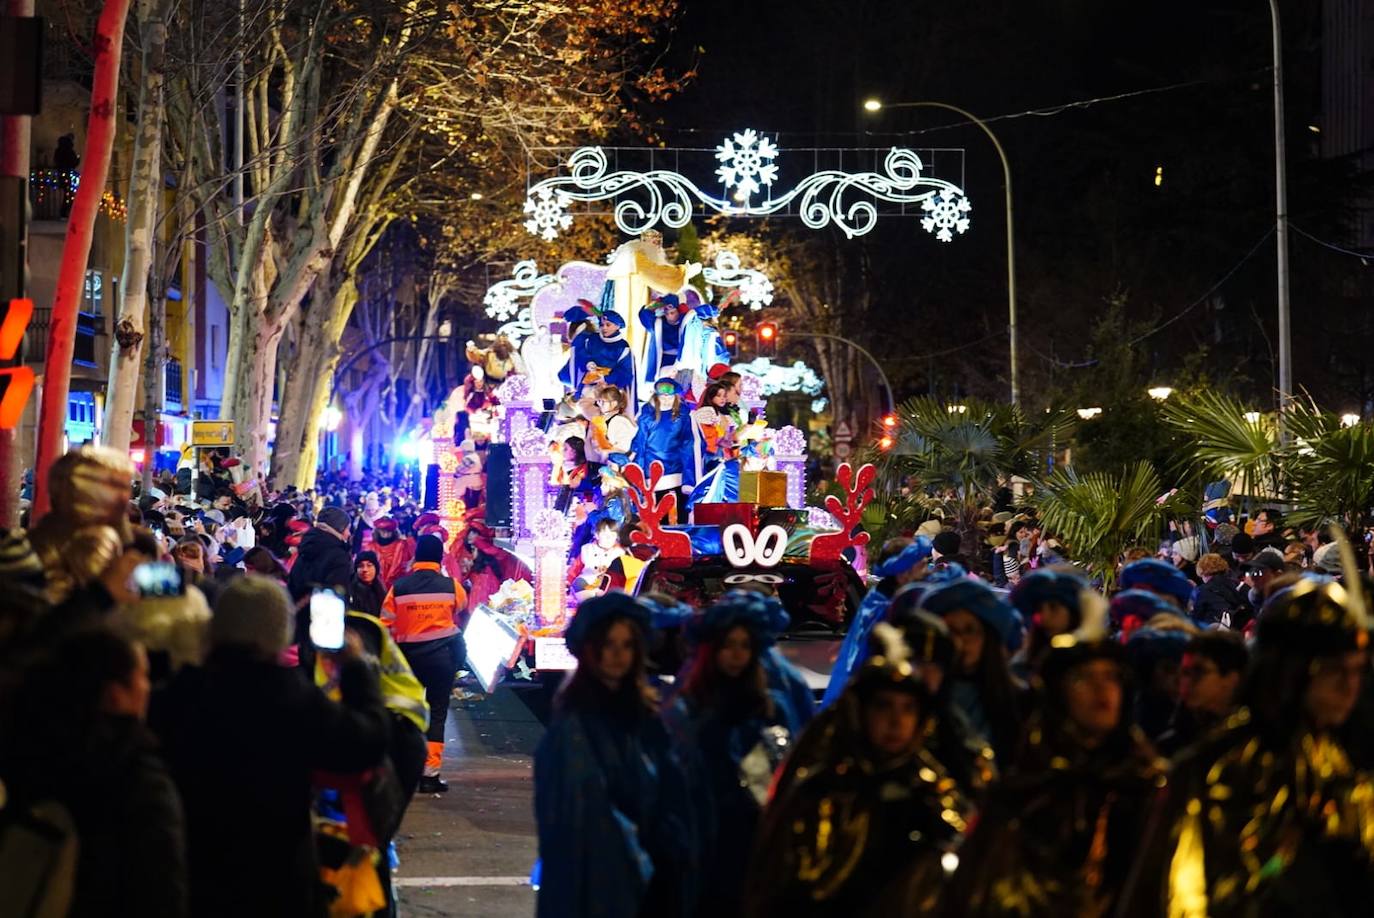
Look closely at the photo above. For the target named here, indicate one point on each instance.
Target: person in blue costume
(731, 731)
(1161, 578)
(1051, 602)
(984, 627)
(665, 435)
(597, 358)
(616, 831)
(900, 562)
(665, 319)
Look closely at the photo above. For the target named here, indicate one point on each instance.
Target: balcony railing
(90, 329)
(172, 376)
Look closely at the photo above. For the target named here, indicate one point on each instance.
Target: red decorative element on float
(653, 511)
(830, 546)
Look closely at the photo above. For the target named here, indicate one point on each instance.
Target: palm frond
(1100, 515)
(1229, 440)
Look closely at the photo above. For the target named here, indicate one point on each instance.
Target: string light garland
(57, 188)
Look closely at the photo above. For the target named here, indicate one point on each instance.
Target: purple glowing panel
(795, 470)
(577, 280)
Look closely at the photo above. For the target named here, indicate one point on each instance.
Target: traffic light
(731, 341)
(766, 334)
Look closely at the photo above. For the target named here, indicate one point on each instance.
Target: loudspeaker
(431, 491)
(498, 470)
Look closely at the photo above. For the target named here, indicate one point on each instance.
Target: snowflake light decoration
(548, 210)
(755, 289)
(503, 297)
(662, 197)
(746, 163)
(946, 211)
(756, 292)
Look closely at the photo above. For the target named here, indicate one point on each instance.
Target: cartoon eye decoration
(772, 579)
(742, 549)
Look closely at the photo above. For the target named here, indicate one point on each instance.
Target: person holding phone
(426, 611)
(241, 737)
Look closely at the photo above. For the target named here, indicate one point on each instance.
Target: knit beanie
(429, 549)
(336, 518)
(254, 612)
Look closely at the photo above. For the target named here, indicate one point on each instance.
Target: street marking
(437, 882)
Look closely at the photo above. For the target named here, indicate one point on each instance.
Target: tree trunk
(76, 250)
(153, 373)
(253, 399)
(145, 185)
(306, 394)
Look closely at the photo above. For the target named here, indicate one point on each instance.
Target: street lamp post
(874, 105)
(887, 386)
(1281, 220)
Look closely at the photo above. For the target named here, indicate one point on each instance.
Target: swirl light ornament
(846, 200)
(503, 297)
(755, 289)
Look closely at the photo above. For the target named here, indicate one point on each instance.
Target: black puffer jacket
(242, 736)
(322, 561)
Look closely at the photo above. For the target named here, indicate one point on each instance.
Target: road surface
(469, 852)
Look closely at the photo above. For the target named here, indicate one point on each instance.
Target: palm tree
(1229, 441)
(961, 455)
(1100, 515)
(1324, 469)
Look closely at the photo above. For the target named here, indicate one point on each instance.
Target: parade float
(571, 330)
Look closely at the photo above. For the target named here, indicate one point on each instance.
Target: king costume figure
(599, 357)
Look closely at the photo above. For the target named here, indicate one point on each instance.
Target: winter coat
(615, 836)
(323, 560)
(669, 440)
(1220, 601)
(126, 811)
(242, 736)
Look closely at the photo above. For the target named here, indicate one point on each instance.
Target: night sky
(1091, 226)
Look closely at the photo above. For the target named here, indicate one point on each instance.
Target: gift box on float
(767, 489)
(724, 514)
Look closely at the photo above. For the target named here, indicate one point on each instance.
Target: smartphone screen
(327, 620)
(159, 578)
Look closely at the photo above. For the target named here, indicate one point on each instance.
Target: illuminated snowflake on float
(548, 210)
(946, 211)
(551, 526)
(756, 292)
(789, 441)
(747, 163)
